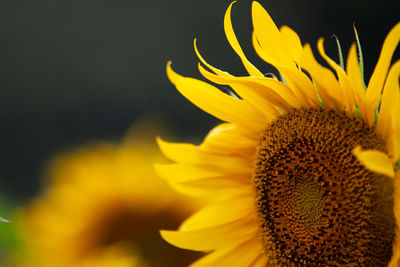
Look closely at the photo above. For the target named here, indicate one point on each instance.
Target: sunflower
(304, 169)
(103, 206)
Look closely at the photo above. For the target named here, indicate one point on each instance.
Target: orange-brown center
(318, 206)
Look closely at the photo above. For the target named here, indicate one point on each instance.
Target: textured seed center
(316, 203)
(304, 204)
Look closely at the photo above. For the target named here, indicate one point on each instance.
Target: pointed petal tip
(256, 4)
(158, 140)
(163, 145)
(166, 235)
(171, 74)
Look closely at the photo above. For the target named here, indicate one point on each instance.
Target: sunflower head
(304, 167)
(102, 206)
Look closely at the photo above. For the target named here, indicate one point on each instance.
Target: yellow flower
(103, 206)
(304, 167)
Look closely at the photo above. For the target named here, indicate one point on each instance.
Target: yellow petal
(395, 260)
(230, 139)
(202, 60)
(230, 35)
(287, 74)
(269, 38)
(270, 90)
(231, 132)
(248, 93)
(296, 78)
(375, 161)
(345, 86)
(327, 85)
(220, 212)
(191, 154)
(178, 172)
(214, 237)
(241, 255)
(213, 188)
(355, 78)
(389, 99)
(378, 77)
(292, 42)
(302, 86)
(394, 141)
(215, 102)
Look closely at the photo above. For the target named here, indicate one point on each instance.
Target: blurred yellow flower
(103, 205)
(306, 166)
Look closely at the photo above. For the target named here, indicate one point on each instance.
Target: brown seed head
(318, 206)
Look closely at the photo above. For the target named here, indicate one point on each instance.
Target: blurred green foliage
(9, 240)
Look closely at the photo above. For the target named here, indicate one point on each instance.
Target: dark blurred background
(76, 71)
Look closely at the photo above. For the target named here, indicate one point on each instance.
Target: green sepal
(341, 61)
(360, 55)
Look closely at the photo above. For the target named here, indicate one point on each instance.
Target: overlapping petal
(215, 102)
(230, 35)
(230, 139)
(214, 237)
(378, 77)
(191, 154)
(240, 255)
(222, 211)
(390, 108)
(268, 38)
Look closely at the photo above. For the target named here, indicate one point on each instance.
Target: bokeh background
(76, 71)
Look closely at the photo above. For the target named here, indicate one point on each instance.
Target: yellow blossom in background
(103, 205)
(305, 167)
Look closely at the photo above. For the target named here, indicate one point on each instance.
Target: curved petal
(394, 141)
(302, 85)
(347, 89)
(263, 99)
(241, 255)
(269, 38)
(191, 154)
(215, 102)
(375, 161)
(214, 237)
(230, 139)
(220, 212)
(292, 42)
(230, 35)
(378, 77)
(250, 95)
(390, 99)
(326, 83)
(178, 172)
(270, 90)
(355, 78)
(232, 131)
(213, 188)
(194, 181)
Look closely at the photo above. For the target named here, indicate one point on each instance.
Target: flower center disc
(317, 204)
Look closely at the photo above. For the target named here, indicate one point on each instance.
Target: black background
(76, 71)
